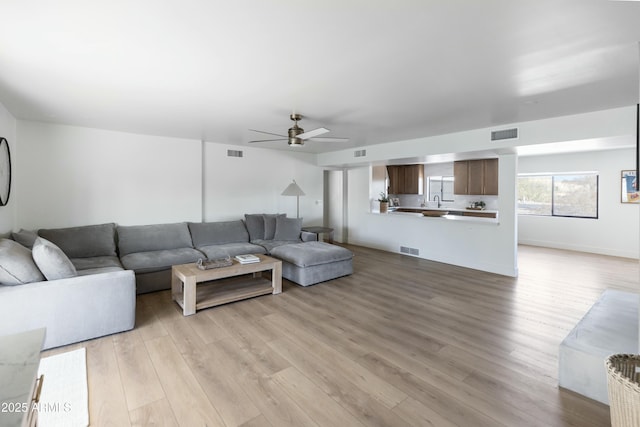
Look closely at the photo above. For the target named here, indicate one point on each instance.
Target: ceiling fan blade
(313, 133)
(268, 140)
(329, 139)
(268, 133)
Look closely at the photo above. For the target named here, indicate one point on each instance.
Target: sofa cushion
(261, 226)
(147, 262)
(99, 270)
(52, 261)
(288, 228)
(157, 237)
(231, 249)
(96, 263)
(83, 242)
(269, 245)
(218, 233)
(25, 237)
(270, 225)
(311, 253)
(16, 264)
(255, 226)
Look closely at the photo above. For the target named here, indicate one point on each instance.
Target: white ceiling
(374, 71)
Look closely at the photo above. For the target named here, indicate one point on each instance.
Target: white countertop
(392, 213)
(443, 208)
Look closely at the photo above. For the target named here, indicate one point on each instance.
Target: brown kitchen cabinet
(461, 177)
(394, 179)
(476, 177)
(406, 179)
(491, 177)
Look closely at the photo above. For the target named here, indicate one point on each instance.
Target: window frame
(553, 176)
(430, 193)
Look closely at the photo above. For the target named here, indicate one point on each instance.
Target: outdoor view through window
(568, 195)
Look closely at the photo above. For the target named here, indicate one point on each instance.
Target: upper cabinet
(394, 179)
(491, 177)
(406, 179)
(476, 177)
(461, 177)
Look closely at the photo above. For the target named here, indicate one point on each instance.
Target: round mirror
(5, 172)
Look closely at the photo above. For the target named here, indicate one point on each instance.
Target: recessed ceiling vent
(499, 135)
(234, 153)
(359, 153)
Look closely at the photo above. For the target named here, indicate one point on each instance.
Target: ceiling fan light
(293, 141)
(295, 131)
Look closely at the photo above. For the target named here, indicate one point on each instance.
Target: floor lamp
(294, 190)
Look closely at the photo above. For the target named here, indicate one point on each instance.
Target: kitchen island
(479, 243)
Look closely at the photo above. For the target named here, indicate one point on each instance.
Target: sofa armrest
(73, 309)
(305, 236)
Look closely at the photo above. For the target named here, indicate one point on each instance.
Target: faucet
(437, 197)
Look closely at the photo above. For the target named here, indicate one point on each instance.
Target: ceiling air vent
(499, 135)
(234, 153)
(359, 153)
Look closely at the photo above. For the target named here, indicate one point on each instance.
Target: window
(441, 186)
(569, 195)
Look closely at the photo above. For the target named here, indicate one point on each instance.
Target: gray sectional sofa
(81, 282)
(83, 291)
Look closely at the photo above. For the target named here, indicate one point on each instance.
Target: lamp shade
(293, 190)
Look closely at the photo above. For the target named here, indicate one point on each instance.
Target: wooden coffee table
(224, 284)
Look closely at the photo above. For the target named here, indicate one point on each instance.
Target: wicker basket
(624, 389)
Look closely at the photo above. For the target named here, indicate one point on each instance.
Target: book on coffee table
(247, 259)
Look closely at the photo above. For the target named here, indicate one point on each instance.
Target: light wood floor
(402, 342)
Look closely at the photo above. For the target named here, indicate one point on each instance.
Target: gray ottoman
(309, 263)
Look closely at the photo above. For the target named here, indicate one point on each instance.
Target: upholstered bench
(609, 327)
(309, 263)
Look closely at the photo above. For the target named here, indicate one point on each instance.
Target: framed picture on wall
(629, 186)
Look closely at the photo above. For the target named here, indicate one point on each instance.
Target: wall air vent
(499, 135)
(359, 153)
(234, 153)
(410, 251)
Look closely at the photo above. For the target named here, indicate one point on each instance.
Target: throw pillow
(53, 263)
(16, 264)
(25, 237)
(255, 226)
(270, 225)
(288, 228)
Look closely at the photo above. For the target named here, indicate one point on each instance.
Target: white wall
(334, 199)
(71, 176)
(378, 185)
(254, 183)
(8, 131)
(616, 230)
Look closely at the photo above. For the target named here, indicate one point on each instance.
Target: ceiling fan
(297, 136)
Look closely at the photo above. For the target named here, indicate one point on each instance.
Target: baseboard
(579, 248)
